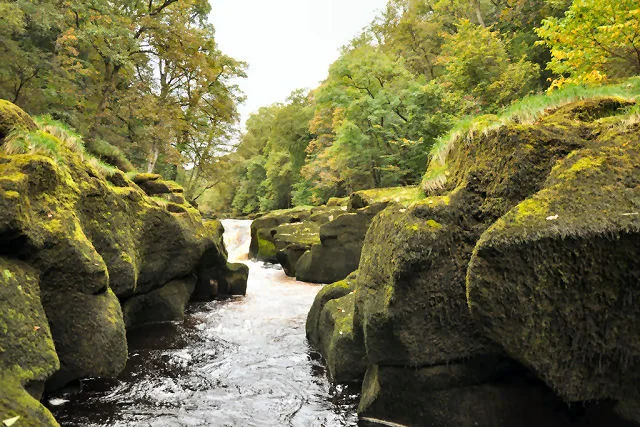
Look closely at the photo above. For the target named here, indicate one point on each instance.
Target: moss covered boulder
(277, 230)
(330, 328)
(338, 252)
(555, 281)
(411, 294)
(395, 195)
(27, 353)
(414, 262)
(263, 247)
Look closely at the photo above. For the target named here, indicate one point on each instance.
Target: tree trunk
(153, 157)
(476, 6)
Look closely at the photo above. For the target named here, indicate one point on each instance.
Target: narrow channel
(236, 362)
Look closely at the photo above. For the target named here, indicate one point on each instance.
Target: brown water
(238, 362)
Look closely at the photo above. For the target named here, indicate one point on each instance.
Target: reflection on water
(237, 362)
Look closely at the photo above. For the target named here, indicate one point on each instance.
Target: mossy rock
(326, 294)
(160, 305)
(27, 353)
(289, 256)
(411, 288)
(141, 178)
(89, 335)
(338, 253)
(341, 342)
(154, 187)
(13, 117)
(555, 279)
(331, 329)
(396, 195)
(234, 280)
(338, 201)
(216, 277)
(263, 246)
(324, 214)
(89, 238)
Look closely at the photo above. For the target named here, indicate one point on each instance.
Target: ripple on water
(236, 362)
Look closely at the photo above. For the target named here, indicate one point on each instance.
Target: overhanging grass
(527, 110)
(53, 134)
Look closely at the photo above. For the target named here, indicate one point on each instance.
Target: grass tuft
(528, 110)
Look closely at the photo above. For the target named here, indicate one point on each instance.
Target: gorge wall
(508, 291)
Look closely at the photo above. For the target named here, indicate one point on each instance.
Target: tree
(374, 123)
(478, 64)
(595, 40)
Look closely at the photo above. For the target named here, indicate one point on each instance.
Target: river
(236, 362)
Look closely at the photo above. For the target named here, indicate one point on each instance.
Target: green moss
(27, 352)
(434, 224)
(340, 341)
(568, 253)
(399, 195)
(266, 249)
(13, 117)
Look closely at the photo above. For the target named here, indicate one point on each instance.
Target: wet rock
(160, 305)
(458, 395)
(234, 280)
(289, 256)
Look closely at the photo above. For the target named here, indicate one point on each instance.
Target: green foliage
(142, 78)
(594, 41)
(477, 63)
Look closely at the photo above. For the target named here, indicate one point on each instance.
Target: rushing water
(237, 362)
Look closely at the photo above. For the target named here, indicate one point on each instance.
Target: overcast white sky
(289, 44)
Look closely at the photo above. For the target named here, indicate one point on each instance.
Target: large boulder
(276, 231)
(412, 281)
(263, 246)
(555, 280)
(338, 252)
(391, 195)
(474, 393)
(160, 305)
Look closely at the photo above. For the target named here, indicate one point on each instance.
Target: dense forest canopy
(145, 81)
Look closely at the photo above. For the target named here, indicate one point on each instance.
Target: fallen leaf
(11, 421)
(552, 218)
